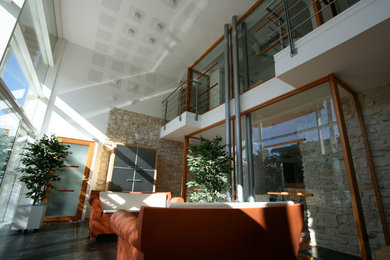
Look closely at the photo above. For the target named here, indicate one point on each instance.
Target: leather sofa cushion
(233, 205)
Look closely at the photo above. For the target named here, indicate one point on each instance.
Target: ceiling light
(137, 16)
(131, 31)
(159, 26)
(170, 3)
(151, 40)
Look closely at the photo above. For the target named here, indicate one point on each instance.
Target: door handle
(133, 180)
(62, 190)
(72, 166)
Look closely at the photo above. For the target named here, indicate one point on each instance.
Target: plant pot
(28, 217)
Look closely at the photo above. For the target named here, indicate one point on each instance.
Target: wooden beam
(270, 19)
(208, 89)
(351, 175)
(270, 47)
(287, 95)
(297, 194)
(204, 73)
(283, 143)
(370, 162)
(318, 13)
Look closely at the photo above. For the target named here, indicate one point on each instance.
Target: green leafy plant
(42, 160)
(210, 165)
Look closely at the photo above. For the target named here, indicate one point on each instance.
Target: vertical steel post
(165, 114)
(248, 119)
(288, 25)
(236, 85)
(227, 100)
(180, 100)
(196, 102)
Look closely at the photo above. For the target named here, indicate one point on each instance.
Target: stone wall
(132, 128)
(330, 215)
(375, 105)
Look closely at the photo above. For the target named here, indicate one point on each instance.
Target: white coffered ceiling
(150, 44)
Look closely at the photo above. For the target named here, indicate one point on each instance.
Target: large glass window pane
(9, 123)
(14, 78)
(208, 78)
(12, 138)
(297, 156)
(11, 187)
(259, 37)
(209, 135)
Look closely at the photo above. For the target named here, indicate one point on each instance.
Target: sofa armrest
(96, 204)
(124, 225)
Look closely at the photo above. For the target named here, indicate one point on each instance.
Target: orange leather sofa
(99, 222)
(209, 233)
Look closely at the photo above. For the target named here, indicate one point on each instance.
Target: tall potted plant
(41, 161)
(210, 165)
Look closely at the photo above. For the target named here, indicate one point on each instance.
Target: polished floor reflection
(56, 241)
(69, 240)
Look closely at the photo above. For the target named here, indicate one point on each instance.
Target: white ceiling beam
(58, 17)
(39, 20)
(22, 54)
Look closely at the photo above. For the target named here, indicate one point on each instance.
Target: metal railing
(177, 102)
(290, 20)
(271, 27)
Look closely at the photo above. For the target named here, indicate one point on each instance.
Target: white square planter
(28, 217)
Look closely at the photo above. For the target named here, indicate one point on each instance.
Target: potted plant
(41, 160)
(210, 165)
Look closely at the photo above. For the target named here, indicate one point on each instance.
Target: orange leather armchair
(99, 222)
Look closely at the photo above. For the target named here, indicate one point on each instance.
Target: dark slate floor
(63, 240)
(66, 240)
(325, 254)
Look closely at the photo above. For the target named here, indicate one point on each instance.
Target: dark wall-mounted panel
(134, 168)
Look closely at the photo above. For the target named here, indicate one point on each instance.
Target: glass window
(297, 156)
(11, 187)
(15, 79)
(208, 78)
(9, 123)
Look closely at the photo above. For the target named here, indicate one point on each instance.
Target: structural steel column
(248, 119)
(227, 99)
(236, 85)
(185, 168)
